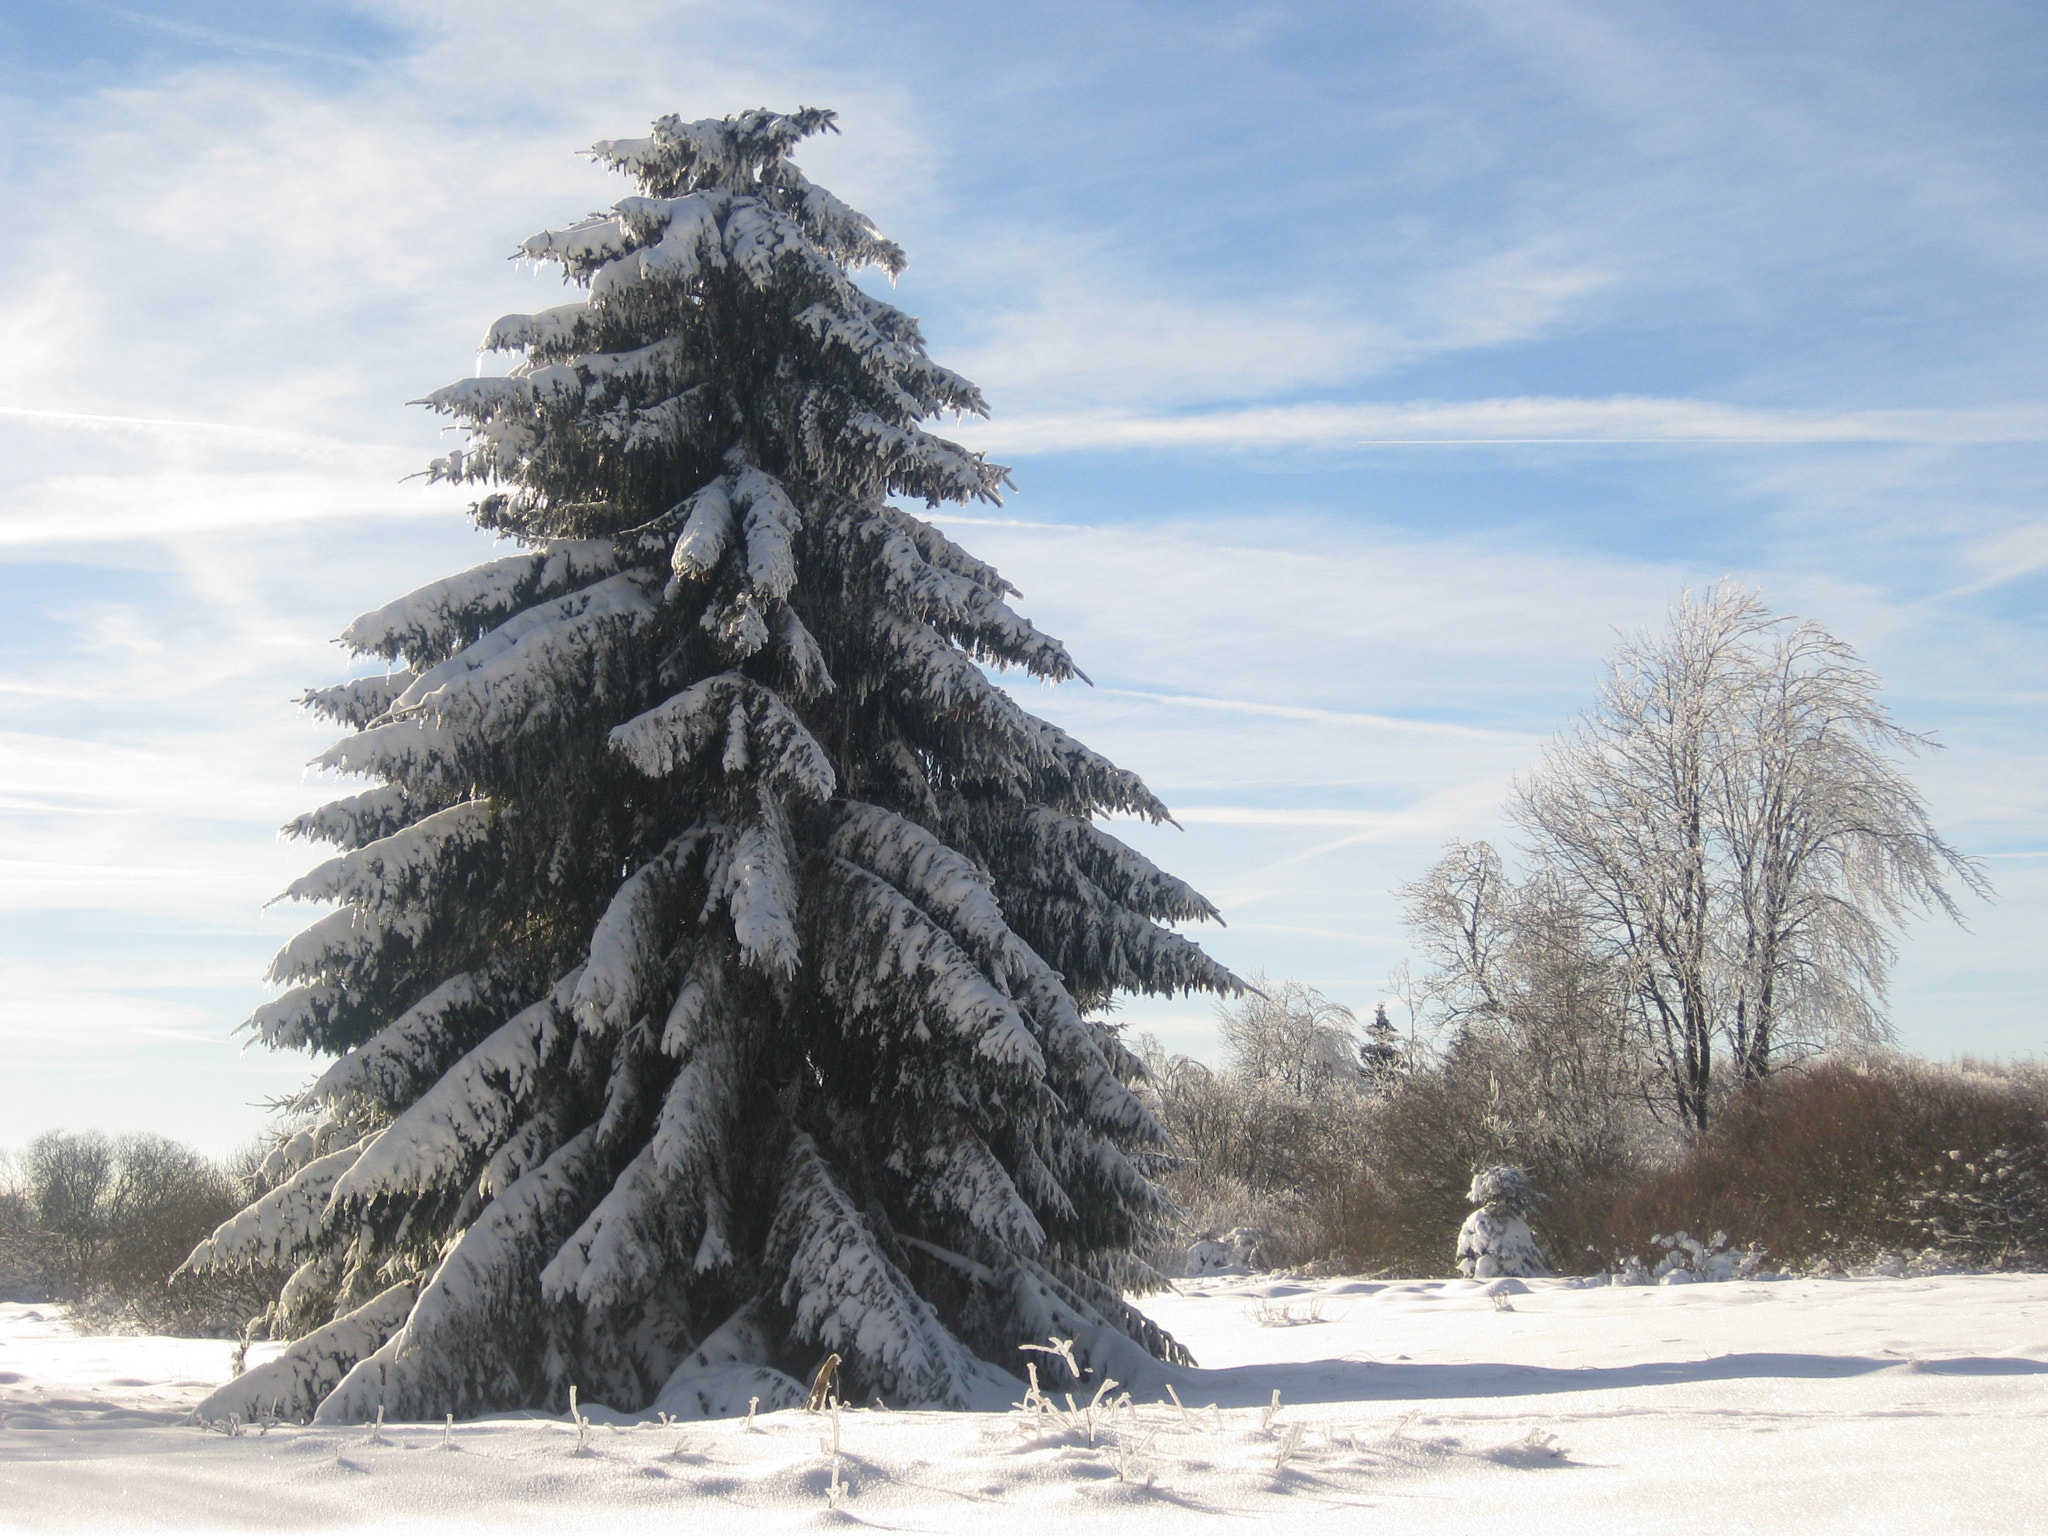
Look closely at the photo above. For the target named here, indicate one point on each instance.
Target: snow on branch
(849, 1298)
(914, 462)
(467, 1114)
(356, 820)
(293, 1385)
(957, 1173)
(415, 756)
(281, 1224)
(749, 153)
(962, 606)
(752, 877)
(941, 551)
(355, 704)
(772, 521)
(1083, 1069)
(888, 952)
(707, 530)
(549, 330)
(512, 680)
(1063, 846)
(632, 939)
(434, 622)
(948, 885)
(756, 729)
(346, 947)
(295, 1020)
(673, 1193)
(395, 1063)
(469, 1335)
(397, 871)
(1131, 1348)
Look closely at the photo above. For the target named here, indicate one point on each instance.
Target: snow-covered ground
(1815, 1405)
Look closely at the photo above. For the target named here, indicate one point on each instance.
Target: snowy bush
(1236, 1252)
(1495, 1239)
(1842, 1161)
(713, 949)
(1990, 1208)
(1688, 1259)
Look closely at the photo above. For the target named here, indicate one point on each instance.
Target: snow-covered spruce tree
(713, 956)
(1495, 1239)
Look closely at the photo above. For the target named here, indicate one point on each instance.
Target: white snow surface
(1911, 1404)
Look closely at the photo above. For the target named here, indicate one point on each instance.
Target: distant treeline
(1356, 1148)
(99, 1222)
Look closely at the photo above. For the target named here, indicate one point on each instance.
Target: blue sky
(1364, 367)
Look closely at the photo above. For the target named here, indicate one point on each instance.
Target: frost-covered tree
(714, 947)
(1734, 828)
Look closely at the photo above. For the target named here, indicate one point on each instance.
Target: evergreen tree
(713, 955)
(1380, 1055)
(1495, 1239)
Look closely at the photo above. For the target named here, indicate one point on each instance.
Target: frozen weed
(582, 1426)
(835, 1491)
(1283, 1314)
(1290, 1442)
(1266, 1414)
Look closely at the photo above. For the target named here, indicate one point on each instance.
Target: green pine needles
(713, 954)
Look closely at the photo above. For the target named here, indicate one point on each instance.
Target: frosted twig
(448, 1433)
(1290, 1442)
(1185, 1417)
(1267, 1413)
(1064, 1348)
(835, 1491)
(582, 1424)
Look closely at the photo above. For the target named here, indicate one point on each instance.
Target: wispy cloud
(1303, 712)
(1618, 421)
(273, 441)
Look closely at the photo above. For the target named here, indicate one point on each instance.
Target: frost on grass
(716, 943)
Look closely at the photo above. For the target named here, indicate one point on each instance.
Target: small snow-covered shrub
(1495, 1239)
(1238, 1251)
(1688, 1258)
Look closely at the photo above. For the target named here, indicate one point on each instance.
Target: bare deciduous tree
(1532, 1014)
(1290, 1035)
(1731, 825)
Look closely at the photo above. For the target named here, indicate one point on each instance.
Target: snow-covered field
(1811, 1405)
